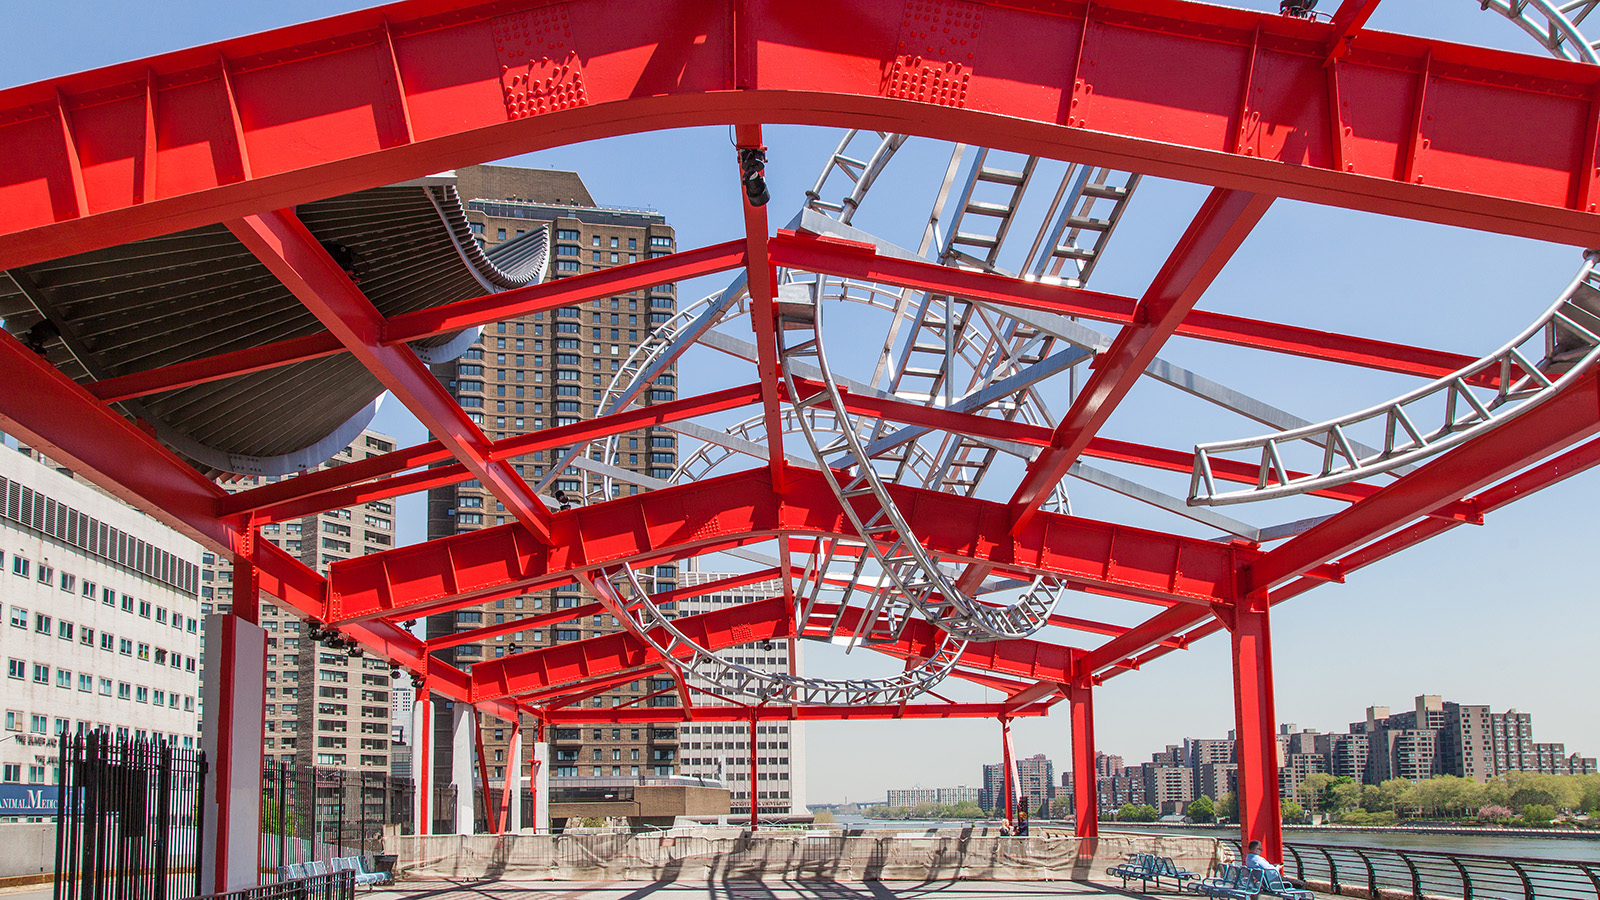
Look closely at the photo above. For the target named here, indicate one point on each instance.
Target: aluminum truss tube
(289, 250)
(1255, 715)
(1085, 799)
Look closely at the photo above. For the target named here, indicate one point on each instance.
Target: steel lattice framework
(881, 536)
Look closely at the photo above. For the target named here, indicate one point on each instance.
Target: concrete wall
(730, 853)
(660, 802)
(30, 849)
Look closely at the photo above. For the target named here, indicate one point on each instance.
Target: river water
(1487, 844)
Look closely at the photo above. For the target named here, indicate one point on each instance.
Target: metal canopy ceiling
(191, 295)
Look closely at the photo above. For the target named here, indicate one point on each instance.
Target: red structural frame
(1259, 106)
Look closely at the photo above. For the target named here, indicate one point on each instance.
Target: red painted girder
(1008, 685)
(301, 590)
(1348, 19)
(353, 482)
(447, 319)
(612, 654)
(1554, 425)
(488, 632)
(287, 248)
(50, 412)
(763, 288)
(556, 695)
(1150, 633)
(741, 508)
(852, 259)
(1021, 657)
(1206, 94)
(214, 368)
(1225, 219)
(1035, 692)
(673, 715)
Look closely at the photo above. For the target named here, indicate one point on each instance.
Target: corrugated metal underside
(198, 293)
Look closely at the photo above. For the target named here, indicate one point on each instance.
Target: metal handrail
(1424, 874)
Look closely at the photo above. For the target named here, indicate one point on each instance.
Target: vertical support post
(511, 791)
(1009, 765)
(462, 723)
(1260, 817)
(755, 807)
(491, 819)
(539, 780)
(1085, 799)
(422, 760)
(235, 667)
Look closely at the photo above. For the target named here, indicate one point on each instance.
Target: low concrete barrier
(29, 852)
(941, 855)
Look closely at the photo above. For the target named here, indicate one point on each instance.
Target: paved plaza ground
(440, 889)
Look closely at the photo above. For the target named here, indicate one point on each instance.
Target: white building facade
(99, 624)
(722, 752)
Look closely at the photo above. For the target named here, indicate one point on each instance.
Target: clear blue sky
(1499, 615)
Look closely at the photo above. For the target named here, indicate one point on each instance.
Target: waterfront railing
(1386, 873)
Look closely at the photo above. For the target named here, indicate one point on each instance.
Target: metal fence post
(1527, 883)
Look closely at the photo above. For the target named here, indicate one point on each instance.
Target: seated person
(1254, 860)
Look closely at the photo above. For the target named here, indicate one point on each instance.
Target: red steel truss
(1259, 106)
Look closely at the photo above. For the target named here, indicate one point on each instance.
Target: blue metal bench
(1235, 882)
(1141, 866)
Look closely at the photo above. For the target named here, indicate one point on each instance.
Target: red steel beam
(354, 483)
(283, 243)
(424, 323)
(762, 284)
(1232, 97)
(1554, 425)
(1225, 219)
(741, 508)
(853, 259)
(1348, 20)
(613, 654)
(669, 715)
(50, 412)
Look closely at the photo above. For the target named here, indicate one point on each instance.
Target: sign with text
(27, 799)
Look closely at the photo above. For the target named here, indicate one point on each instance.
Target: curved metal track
(1486, 394)
(773, 687)
(914, 577)
(1555, 26)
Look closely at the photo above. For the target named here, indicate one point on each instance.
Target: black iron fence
(313, 814)
(332, 886)
(128, 819)
(1378, 872)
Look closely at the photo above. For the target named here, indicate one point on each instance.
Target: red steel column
(422, 759)
(1085, 800)
(755, 808)
(1009, 765)
(1260, 817)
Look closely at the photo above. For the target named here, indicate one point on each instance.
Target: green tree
(1312, 792)
(1291, 811)
(1136, 813)
(1202, 809)
(269, 818)
(1345, 796)
(823, 817)
(1228, 806)
(1538, 813)
(1061, 807)
(966, 809)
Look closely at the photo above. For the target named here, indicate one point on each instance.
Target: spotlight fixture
(767, 646)
(562, 498)
(354, 651)
(752, 172)
(394, 671)
(1300, 9)
(44, 330)
(416, 680)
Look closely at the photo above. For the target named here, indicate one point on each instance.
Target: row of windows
(58, 520)
(87, 683)
(128, 604)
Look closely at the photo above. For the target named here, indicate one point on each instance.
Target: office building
(540, 371)
(324, 708)
(908, 798)
(101, 609)
(721, 752)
